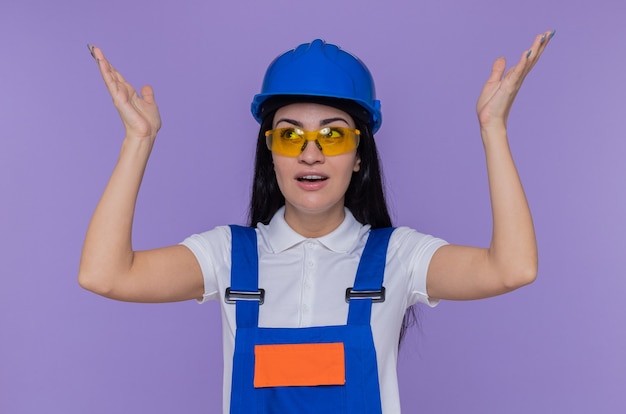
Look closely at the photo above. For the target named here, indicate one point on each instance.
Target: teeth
(311, 178)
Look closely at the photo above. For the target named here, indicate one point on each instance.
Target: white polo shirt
(305, 281)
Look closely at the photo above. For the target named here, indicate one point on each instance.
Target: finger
(539, 45)
(147, 94)
(111, 77)
(116, 84)
(497, 69)
(96, 53)
(120, 78)
(106, 68)
(91, 47)
(546, 37)
(526, 61)
(535, 49)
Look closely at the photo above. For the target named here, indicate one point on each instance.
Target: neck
(314, 224)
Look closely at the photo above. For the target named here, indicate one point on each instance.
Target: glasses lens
(286, 141)
(337, 140)
(331, 140)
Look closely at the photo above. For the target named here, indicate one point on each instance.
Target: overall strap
(369, 276)
(244, 276)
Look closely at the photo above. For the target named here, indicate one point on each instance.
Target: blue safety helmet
(319, 69)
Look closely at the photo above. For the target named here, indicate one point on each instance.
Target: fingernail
(552, 34)
(90, 47)
(528, 54)
(543, 39)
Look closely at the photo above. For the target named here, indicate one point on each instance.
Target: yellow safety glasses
(330, 140)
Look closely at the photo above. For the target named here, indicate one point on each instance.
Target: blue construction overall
(344, 377)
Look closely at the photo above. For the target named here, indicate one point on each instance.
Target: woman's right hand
(109, 266)
(140, 114)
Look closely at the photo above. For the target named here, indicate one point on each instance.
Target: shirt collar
(282, 237)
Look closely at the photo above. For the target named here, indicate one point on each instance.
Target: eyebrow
(322, 122)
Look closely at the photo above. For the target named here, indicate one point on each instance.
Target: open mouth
(311, 178)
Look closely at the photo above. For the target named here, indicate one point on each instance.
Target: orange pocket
(285, 365)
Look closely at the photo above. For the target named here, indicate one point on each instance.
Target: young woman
(313, 294)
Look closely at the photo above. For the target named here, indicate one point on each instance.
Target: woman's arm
(461, 272)
(108, 265)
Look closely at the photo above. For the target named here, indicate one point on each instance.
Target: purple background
(556, 346)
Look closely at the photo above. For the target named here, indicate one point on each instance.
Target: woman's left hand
(500, 90)
(464, 272)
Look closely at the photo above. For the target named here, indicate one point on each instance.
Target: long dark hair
(365, 197)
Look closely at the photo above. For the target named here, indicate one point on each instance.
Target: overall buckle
(232, 296)
(377, 296)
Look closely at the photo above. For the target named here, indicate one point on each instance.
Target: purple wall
(554, 347)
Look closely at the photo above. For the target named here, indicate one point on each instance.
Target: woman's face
(313, 183)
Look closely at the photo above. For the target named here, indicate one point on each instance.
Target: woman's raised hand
(109, 266)
(500, 90)
(140, 114)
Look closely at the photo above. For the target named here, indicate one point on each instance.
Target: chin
(315, 206)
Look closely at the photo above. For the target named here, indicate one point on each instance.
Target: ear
(357, 163)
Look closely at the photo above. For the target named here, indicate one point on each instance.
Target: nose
(311, 153)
